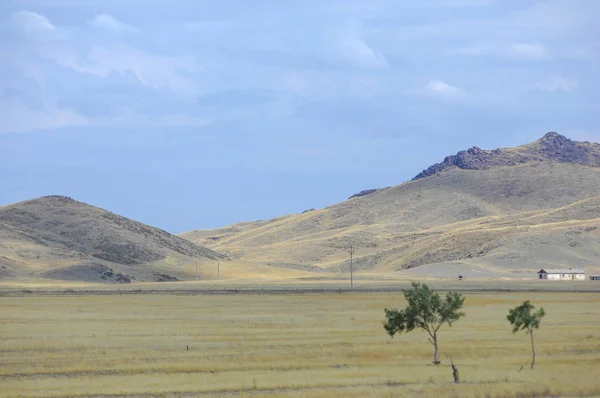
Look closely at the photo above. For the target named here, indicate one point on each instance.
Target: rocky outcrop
(559, 148)
(363, 193)
(552, 147)
(473, 159)
(158, 277)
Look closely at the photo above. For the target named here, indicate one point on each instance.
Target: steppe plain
(309, 339)
(89, 305)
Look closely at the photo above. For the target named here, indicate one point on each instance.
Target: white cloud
(320, 53)
(529, 50)
(17, 117)
(80, 50)
(108, 22)
(31, 23)
(151, 70)
(440, 88)
(340, 44)
(556, 83)
(360, 53)
(84, 53)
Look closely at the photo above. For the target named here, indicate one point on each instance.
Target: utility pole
(196, 269)
(218, 270)
(351, 279)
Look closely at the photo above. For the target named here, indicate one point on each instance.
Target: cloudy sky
(191, 114)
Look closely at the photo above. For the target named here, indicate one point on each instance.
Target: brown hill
(480, 212)
(59, 238)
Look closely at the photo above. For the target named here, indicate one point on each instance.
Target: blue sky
(196, 114)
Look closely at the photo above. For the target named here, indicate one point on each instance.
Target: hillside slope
(60, 238)
(494, 212)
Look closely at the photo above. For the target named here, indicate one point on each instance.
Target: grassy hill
(57, 237)
(503, 212)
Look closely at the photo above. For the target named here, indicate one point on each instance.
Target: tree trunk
(532, 349)
(436, 354)
(454, 371)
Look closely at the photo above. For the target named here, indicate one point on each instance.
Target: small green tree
(522, 318)
(425, 310)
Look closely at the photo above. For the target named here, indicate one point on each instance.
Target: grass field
(299, 345)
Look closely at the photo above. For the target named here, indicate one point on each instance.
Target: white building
(562, 274)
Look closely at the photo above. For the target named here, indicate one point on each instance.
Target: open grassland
(326, 284)
(299, 345)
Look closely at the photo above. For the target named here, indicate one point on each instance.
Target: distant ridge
(492, 213)
(551, 147)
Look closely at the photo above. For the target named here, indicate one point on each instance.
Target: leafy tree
(522, 318)
(425, 310)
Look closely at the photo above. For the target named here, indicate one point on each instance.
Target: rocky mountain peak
(553, 136)
(551, 147)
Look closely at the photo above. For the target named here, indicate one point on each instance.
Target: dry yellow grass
(498, 220)
(309, 345)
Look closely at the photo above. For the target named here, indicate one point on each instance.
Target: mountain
(551, 147)
(501, 212)
(56, 237)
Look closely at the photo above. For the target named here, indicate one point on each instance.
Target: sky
(194, 114)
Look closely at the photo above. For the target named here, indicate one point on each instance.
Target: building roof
(561, 271)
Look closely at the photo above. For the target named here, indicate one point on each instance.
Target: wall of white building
(564, 277)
